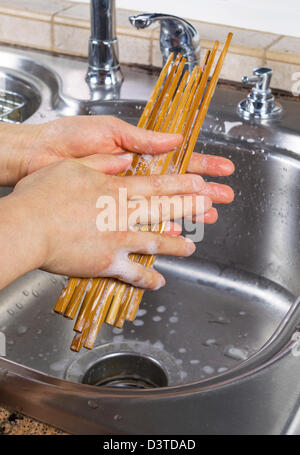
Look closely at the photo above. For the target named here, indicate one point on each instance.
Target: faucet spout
(104, 75)
(176, 35)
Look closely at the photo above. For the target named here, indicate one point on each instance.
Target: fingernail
(227, 168)
(126, 156)
(190, 246)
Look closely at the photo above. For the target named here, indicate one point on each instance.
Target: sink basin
(216, 342)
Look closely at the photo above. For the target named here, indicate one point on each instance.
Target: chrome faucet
(260, 103)
(176, 35)
(104, 75)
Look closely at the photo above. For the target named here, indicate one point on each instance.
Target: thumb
(108, 164)
(139, 140)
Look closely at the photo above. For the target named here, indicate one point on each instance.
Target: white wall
(276, 16)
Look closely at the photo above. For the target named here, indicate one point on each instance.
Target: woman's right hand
(59, 202)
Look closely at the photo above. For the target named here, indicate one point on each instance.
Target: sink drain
(134, 365)
(126, 370)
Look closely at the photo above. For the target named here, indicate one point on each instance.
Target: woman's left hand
(103, 141)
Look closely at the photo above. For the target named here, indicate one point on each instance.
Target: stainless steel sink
(19, 98)
(216, 350)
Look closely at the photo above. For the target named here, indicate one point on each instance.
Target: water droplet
(236, 353)
(210, 342)
(26, 292)
(138, 322)
(141, 312)
(19, 305)
(173, 319)
(21, 330)
(35, 293)
(156, 318)
(93, 404)
(161, 309)
(159, 345)
(222, 369)
(118, 418)
(11, 312)
(208, 369)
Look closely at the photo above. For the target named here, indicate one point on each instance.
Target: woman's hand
(103, 141)
(50, 223)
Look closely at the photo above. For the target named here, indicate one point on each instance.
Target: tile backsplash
(62, 26)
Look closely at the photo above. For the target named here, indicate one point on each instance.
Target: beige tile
(235, 49)
(76, 15)
(156, 57)
(71, 40)
(32, 33)
(285, 76)
(236, 66)
(81, 12)
(241, 37)
(35, 9)
(287, 49)
(134, 50)
(131, 31)
(287, 45)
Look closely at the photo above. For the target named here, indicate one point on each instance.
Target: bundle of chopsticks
(178, 104)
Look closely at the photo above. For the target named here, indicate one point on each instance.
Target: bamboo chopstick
(178, 103)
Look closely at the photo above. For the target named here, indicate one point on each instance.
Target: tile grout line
(269, 46)
(52, 24)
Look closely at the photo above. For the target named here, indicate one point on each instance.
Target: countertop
(14, 423)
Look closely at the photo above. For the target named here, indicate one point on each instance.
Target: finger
(155, 243)
(157, 185)
(219, 194)
(140, 276)
(139, 140)
(175, 208)
(215, 166)
(209, 217)
(108, 164)
(172, 229)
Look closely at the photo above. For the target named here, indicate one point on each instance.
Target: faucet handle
(176, 35)
(261, 78)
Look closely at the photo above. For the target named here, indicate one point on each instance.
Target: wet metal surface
(220, 306)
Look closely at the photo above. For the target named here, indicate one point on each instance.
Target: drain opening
(126, 370)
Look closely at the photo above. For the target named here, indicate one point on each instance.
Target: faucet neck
(103, 20)
(104, 75)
